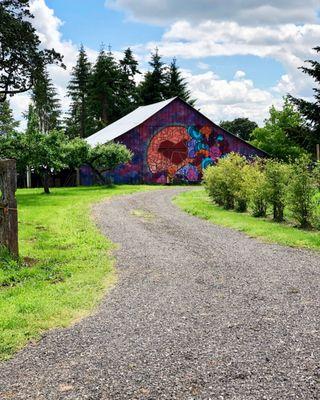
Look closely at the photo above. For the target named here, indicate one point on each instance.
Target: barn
(170, 141)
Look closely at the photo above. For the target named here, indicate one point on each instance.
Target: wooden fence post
(8, 206)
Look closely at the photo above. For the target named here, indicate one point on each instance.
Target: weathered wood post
(8, 206)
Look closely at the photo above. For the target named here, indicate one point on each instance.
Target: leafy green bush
(224, 182)
(255, 185)
(301, 192)
(277, 179)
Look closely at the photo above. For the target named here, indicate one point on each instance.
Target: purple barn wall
(174, 144)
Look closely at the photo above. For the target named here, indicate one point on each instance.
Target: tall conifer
(153, 87)
(104, 90)
(79, 121)
(46, 102)
(176, 85)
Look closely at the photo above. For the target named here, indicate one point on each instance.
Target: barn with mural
(170, 141)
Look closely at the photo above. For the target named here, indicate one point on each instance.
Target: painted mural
(175, 144)
(182, 152)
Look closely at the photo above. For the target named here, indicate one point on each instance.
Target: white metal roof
(126, 123)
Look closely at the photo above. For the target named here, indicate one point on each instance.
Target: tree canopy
(79, 122)
(241, 127)
(20, 54)
(310, 110)
(274, 138)
(8, 125)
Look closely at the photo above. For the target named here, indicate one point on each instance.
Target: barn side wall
(176, 144)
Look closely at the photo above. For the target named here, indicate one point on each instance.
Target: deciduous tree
(20, 53)
(274, 138)
(241, 127)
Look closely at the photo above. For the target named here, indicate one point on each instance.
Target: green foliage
(302, 191)
(76, 152)
(274, 138)
(8, 125)
(277, 175)
(224, 182)
(255, 187)
(106, 157)
(311, 110)
(241, 127)
(153, 89)
(79, 122)
(237, 183)
(176, 85)
(104, 90)
(128, 91)
(45, 101)
(21, 55)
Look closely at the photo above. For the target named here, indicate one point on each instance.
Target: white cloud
(202, 65)
(239, 74)
(221, 99)
(249, 12)
(288, 44)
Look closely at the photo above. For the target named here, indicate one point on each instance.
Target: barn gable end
(175, 143)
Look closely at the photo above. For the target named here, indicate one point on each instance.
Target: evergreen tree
(176, 85)
(128, 98)
(104, 90)
(153, 88)
(310, 110)
(46, 102)
(7, 123)
(79, 122)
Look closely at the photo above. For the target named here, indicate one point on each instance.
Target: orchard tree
(20, 54)
(106, 157)
(79, 122)
(241, 127)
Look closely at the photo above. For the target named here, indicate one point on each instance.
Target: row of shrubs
(261, 185)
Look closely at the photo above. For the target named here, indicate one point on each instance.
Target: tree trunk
(45, 181)
(99, 175)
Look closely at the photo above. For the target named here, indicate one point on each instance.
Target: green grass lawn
(69, 265)
(199, 204)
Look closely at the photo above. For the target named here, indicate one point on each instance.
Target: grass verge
(65, 265)
(199, 204)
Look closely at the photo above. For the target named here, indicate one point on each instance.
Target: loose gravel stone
(199, 312)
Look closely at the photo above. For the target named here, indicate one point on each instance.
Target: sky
(238, 56)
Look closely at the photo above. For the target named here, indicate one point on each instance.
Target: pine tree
(153, 88)
(7, 123)
(46, 102)
(104, 90)
(128, 98)
(79, 122)
(176, 85)
(311, 110)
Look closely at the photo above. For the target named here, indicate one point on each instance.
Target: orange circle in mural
(168, 149)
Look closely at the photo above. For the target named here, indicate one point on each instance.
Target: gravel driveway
(199, 312)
